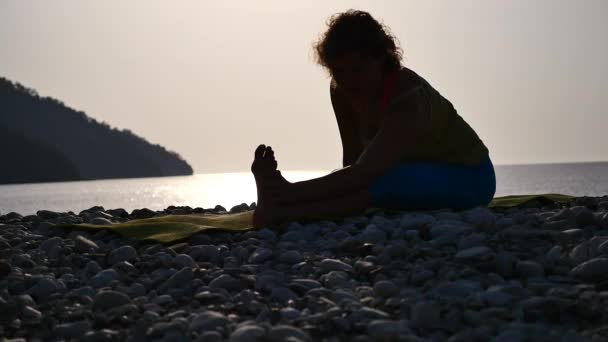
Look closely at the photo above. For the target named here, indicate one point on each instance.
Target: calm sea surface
(230, 189)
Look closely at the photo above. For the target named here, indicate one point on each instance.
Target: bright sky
(213, 79)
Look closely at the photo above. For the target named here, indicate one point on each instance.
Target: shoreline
(477, 274)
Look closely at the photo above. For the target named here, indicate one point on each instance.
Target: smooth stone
(426, 314)
(554, 253)
(594, 269)
(72, 330)
(180, 279)
(479, 217)
(291, 257)
(449, 228)
(260, 255)
(84, 245)
(123, 253)
(100, 221)
(366, 313)
(163, 299)
(385, 328)
(51, 247)
(227, 282)
(290, 313)
(385, 288)
(247, 333)
(100, 335)
(282, 294)
(504, 264)
(267, 234)
(92, 267)
(477, 252)
(45, 287)
(328, 265)
(208, 253)
(415, 220)
(47, 214)
(458, 288)
(372, 234)
(281, 332)
(530, 269)
(497, 297)
(584, 217)
(104, 278)
(208, 320)
(469, 241)
(308, 283)
(420, 277)
(580, 253)
(183, 260)
(143, 213)
(603, 248)
(109, 299)
(335, 279)
(31, 313)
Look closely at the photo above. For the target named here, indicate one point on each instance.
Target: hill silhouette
(43, 140)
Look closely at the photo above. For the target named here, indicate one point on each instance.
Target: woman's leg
(414, 186)
(429, 186)
(352, 204)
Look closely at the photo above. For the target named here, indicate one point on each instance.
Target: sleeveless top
(448, 139)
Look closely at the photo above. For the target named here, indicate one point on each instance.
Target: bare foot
(264, 171)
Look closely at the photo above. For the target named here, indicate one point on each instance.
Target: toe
(259, 152)
(269, 153)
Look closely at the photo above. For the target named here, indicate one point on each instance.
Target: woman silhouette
(404, 144)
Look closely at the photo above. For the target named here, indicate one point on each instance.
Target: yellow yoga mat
(173, 228)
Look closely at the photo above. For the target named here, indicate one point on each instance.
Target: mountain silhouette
(43, 140)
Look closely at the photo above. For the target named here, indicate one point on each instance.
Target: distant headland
(43, 140)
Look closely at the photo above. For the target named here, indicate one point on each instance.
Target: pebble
(51, 247)
(529, 269)
(179, 279)
(260, 255)
(281, 332)
(477, 274)
(100, 221)
(477, 252)
(208, 320)
(85, 245)
(205, 253)
(183, 260)
(594, 269)
(227, 282)
(104, 278)
(282, 294)
(73, 330)
(386, 329)
(108, 299)
(426, 314)
(247, 333)
(123, 253)
(385, 288)
(291, 257)
(328, 265)
(290, 313)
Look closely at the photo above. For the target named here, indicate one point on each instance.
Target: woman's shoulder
(408, 80)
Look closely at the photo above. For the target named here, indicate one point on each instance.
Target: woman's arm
(339, 181)
(351, 148)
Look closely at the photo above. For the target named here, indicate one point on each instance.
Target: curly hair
(356, 31)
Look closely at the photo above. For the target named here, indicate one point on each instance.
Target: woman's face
(359, 75)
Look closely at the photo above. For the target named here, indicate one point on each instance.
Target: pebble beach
(517, 274)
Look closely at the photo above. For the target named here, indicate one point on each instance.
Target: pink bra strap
(389, 84)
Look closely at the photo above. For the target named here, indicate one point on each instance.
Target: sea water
(230, 189)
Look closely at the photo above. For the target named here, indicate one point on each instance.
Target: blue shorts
(430, 186)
